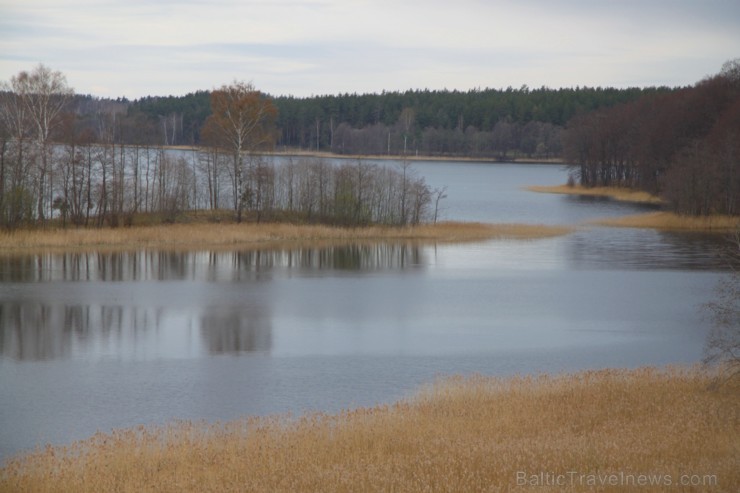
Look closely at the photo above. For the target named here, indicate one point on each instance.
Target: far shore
(204, 235)
(396, 157)
(419, 157)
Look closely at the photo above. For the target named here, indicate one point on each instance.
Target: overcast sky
(135, 48)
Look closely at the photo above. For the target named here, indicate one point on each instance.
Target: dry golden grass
(616, 193)
(669, 221)
(462, 434)
(209, 235)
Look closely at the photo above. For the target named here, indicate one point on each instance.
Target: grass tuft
(460, 434)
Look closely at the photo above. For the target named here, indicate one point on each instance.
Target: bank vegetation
(607, 430)
(681, 146)
(670, 221)
(56, 164)
(208, 235)
(664, 220)
(615, 193)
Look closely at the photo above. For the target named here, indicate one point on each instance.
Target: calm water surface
(99, 341)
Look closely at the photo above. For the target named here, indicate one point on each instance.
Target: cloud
(138, 47)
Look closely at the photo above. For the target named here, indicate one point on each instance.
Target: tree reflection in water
(234, 330)
(35, 330)
(62, 305)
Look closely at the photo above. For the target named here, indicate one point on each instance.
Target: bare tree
(439, 195)
(406, 121)
(44, 93)
(723, 343)
(244, 119)
(406, 172)
(731, 70)
(15, 129)
(502, 137)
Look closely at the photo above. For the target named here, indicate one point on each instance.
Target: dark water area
(96, 341)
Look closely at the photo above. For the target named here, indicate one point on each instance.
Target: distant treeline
(683, 145)
(479, 123)
(495, 123)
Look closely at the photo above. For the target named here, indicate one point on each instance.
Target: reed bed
(208, 235)
(608, 430)
(668, 221)
(616, 193)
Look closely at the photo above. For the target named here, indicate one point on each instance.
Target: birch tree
(245, 120)
(44, 93)
(15, 126)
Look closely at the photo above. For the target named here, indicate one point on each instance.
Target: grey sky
(135, 48)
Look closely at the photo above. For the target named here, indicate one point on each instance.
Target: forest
(683, 146)
(491, 123)
(88, 161)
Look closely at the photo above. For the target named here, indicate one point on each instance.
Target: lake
(98, 341)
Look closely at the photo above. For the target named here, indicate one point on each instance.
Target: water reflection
(204, 265)
(37, 331)
(34, 330)
(644, 249)
(63, 305)
(233, 330)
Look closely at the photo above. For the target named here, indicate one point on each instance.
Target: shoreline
(669, 221)
(462, 433)
(417, 158)
(614, 193)
(203, 235)
(658, 220)
(392, 157)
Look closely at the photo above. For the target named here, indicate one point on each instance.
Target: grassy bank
(668, 221)
(615, 193)
(565, 433)
(661, 220)
(251, 235)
